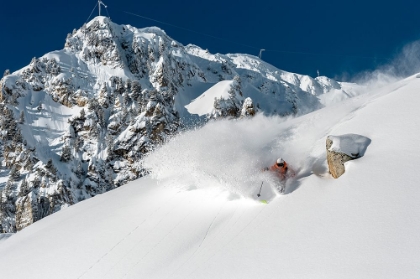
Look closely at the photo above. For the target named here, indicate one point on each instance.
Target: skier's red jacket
(280, 170)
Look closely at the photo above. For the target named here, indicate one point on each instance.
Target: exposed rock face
(24, 212)
(341, 149)
(336, 160)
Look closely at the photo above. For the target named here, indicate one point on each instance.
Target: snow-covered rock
(248, 108)
(343, 148)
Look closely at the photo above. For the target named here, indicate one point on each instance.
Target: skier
(281, 169)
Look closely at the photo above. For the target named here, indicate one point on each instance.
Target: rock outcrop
(341, 149)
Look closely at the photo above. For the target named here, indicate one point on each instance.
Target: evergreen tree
(14, 173)
(126, 99)
(161, 46)
(36, 182)
(82, 114)
(135, 89)
(13, 99)
(50, 166)
(109, 146)
(119, 85)
(30, 162)
(17, 138)
(128, 85)
(24, 188)
(7, 191)
(93, 105)
(65, 154)
(103, 96)
(8, 124)
(101, 117)
(151, 53)
(77, 143)
(80, 172)
(22, 117)
(139, 104)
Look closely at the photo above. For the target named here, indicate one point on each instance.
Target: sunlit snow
(203, 105)
(197, 215)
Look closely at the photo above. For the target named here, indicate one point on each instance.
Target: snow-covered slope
(203, 105)
(196, 216)
(77, 122)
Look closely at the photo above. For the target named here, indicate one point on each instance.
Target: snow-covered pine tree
(161, 46)
(22, 117)
(151, 53)
(50, 167)
(101, 117)
(104, 95)
(24, 188)
(77, 143)
(65, 154)
(126, 99)
(135, 89)
(109, 151)
(36, 182)
(80, 172)
(248, 108)
(118, 83)
(82, 114)
(234, 104)
(14, 173)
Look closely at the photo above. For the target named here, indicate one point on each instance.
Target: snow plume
(407, 62)
(229, 155)
(404, 64)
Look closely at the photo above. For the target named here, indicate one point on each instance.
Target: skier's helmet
(280, 162)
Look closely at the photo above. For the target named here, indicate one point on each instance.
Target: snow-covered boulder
(341, 149)
(248, 108)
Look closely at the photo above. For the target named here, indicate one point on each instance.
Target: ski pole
(259, 193)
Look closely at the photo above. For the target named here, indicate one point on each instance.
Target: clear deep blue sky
(338, 38)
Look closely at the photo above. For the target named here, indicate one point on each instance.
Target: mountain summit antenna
(260, 55)
(99, 6)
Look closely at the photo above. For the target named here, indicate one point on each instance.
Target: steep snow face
(77, 122)
(187, 221)
(203, 105)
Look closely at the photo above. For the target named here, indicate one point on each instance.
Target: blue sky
(338, 39)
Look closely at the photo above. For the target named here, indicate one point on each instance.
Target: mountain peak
(78, 122)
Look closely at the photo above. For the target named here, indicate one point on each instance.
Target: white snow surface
(204, 103)
(197, 216)
(350, 144)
